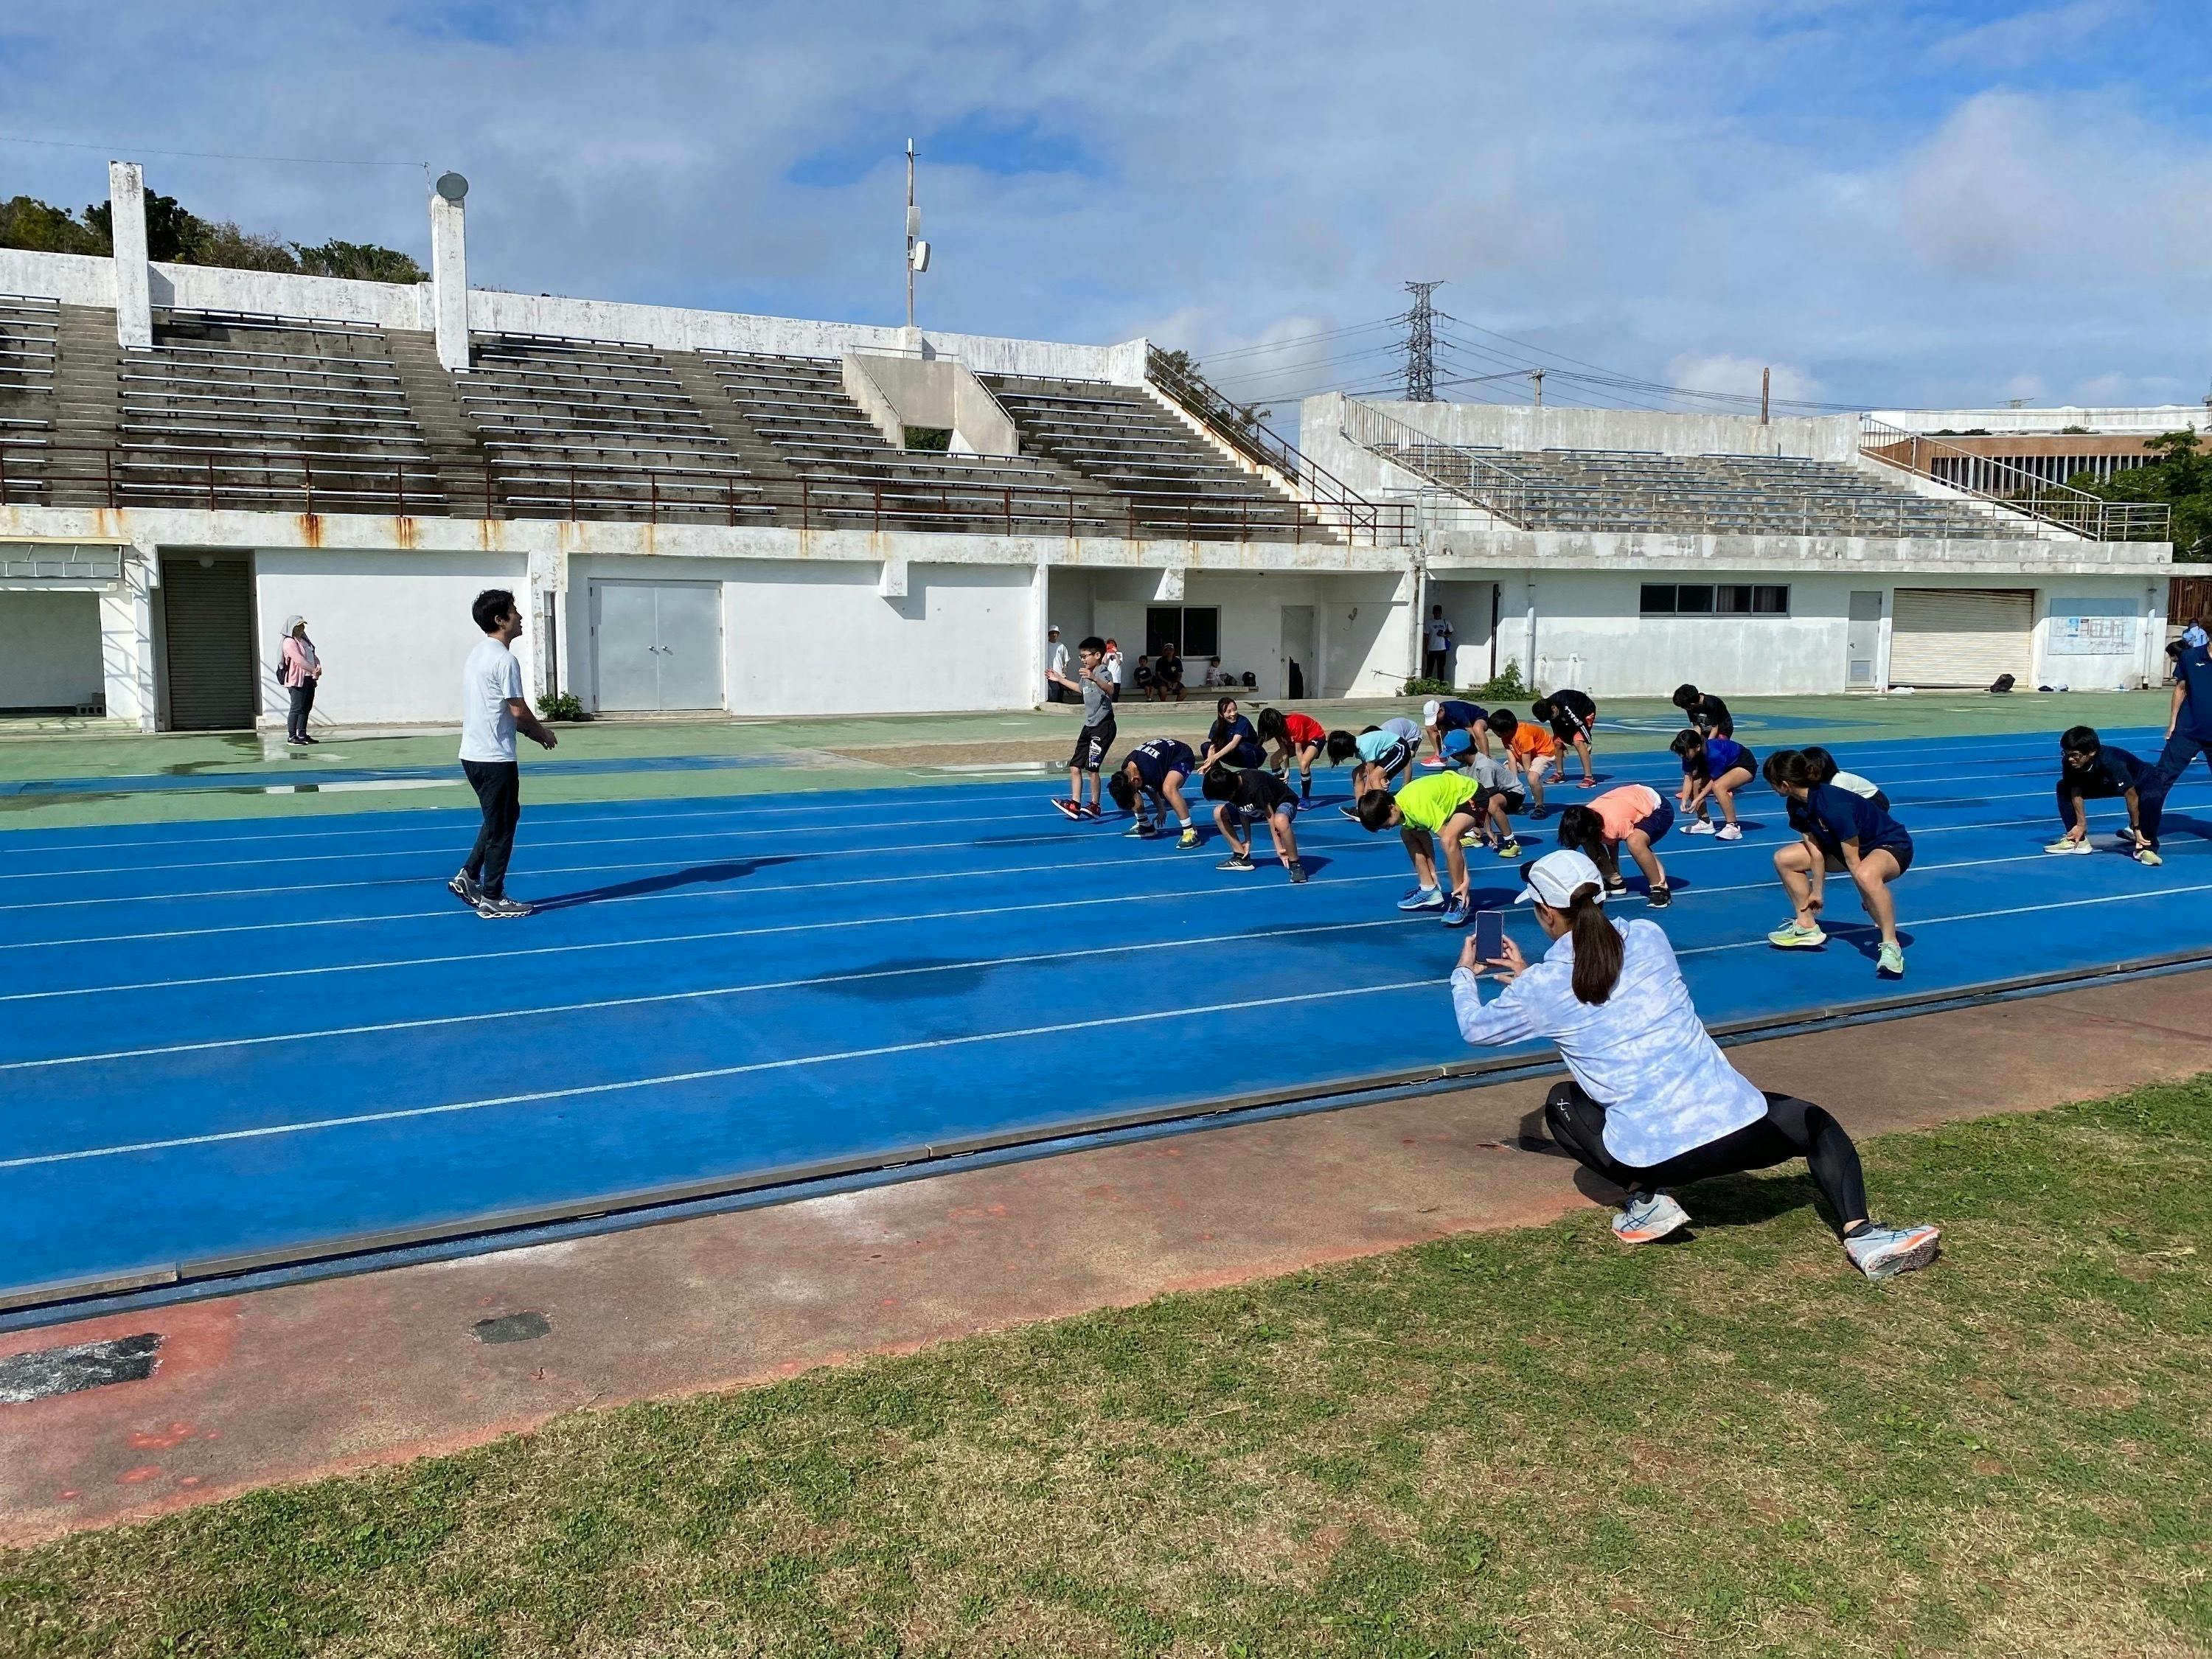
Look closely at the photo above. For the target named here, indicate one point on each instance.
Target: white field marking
(673, 1078)
(1914, 924)
(704, 994)
(1375, 844)
(666, 939)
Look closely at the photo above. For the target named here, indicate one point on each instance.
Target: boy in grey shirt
(1096, 738)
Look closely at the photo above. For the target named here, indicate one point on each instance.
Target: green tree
(27, 222)
(177, 235)
(2178, 473)
(363, 261)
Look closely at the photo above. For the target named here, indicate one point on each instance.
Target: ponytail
(1597, 947)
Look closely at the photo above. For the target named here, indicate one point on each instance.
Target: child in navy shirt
(1246, 797)
(1713, 768)
(2092, 770)
(1153, 778)
(1839, 831)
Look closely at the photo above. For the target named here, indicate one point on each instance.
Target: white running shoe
(1731, 832)
(2067, 844)
(1696, 827)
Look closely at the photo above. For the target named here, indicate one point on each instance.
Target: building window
(1193, 630)
(1714, 599)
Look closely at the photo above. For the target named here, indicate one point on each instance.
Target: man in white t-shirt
(1437, 643)
(493, 709)
(1055, 666)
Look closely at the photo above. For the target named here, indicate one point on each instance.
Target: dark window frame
(1713, 599)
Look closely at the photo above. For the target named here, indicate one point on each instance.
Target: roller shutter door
(207, 613)
(1960, 635)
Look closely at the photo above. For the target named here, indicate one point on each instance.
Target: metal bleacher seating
(1631, 492)
(592, 428)
(1168, 479)
(27, 356)
(800, 408)
(229, 409)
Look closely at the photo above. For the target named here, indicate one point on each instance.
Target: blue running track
(226, 1045)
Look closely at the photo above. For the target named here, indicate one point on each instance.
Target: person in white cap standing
(298, 669)
(1056, 666)
(1651, 1103)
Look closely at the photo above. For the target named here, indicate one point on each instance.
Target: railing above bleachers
(2018, 489)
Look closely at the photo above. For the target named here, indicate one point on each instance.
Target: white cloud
(2014, 42)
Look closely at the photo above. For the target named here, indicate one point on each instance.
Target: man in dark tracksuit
(2092, 770)
(2188, 734)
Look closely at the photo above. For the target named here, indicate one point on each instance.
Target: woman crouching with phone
(1651, 1103)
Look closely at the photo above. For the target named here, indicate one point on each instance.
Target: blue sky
(1889, 202)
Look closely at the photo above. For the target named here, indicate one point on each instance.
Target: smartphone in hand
(1489, 934)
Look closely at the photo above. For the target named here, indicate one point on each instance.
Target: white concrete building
(760, 516)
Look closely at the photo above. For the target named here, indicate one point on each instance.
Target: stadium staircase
(28, 328)
(1592, 491)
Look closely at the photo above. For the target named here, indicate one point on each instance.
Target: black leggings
(1791, 1128)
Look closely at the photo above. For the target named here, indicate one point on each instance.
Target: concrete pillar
(449, 272)
(127, 640)
(134, 300)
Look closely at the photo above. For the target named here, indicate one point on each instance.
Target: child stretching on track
(1825, 771)
(1096, 738)
(1442, 714)
(1152, 777)
(1840, 830)
(1713, 768)
(1245, 798)
(1633, 816)
(2091, 770)
(1530, 751)
(1231, 741)
(1380, 755)
(1708, 713)
(1573, 718)
(1427, 811)
(1296, 737)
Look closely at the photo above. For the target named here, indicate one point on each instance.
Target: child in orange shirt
(1633, 816)
(1530, 750)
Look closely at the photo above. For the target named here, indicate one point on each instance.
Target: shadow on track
(697, 875)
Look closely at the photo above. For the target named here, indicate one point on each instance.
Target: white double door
(657, 645)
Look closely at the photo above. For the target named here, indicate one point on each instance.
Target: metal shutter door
(208, 611)
(1960, 635)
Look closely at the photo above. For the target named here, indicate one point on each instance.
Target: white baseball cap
(1055, 628)
(1428, 711)
(1555, 877)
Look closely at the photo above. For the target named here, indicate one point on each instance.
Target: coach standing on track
(2188, 734)
(492, 710)
(1651, 1102)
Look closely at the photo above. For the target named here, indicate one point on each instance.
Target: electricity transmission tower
(1421, 345)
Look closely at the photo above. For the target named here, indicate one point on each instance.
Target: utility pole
(1537, 375)
(913, 236)
(1765, 385)
(1421, 345)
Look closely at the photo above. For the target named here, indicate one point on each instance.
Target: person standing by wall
(492, 711)
(1437, 646)
(1651, 1102)
(298, 671)
(1055, 666)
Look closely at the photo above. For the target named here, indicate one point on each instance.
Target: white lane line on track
(708, 1074)
(1688, 894)
(921, 1045)
(454, 912)
(711, 992)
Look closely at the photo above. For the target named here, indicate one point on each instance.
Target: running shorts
(1657, 822)
(1091, 745)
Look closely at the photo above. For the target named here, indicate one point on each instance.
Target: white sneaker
(1696, 827)
(1731, 832)
(2067, 844)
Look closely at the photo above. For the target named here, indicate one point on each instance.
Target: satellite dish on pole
(452, 186)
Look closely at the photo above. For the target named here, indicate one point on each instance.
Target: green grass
(1530, 1443)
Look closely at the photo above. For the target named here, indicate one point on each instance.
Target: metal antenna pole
(1537, 376)
(913, 224)
(1421, 345)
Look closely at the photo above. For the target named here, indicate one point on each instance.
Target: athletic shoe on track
(2127, 837)
(1540, 812)
(501, 909)
(1457, 912)
(1351, 813)
(2067, 844)
(1237, 861)
(1509, 849)
(1066, 808)
(1886, 1252)
(1094, 811)
(1616, 885)
(1791, 937)
(1890, 962)
(1661, 897)
(2145, 855)
(1422, 899)
(464, 889)
(1141, 830)
(1697, 827)
(1587, 783)
(1649, 1216)
(1731, 832)
(1188, 839)
(1432, 760)
(1298, 869)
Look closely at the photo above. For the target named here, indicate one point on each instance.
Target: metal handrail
(1334, 501)
(1505, 494)
(2061, 506)
(215, 479)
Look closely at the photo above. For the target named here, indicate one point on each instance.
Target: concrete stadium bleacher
(593, 428)
(1629, 491)
(29, 353)
(1167, 477)
(229, 409)
(800, 407)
